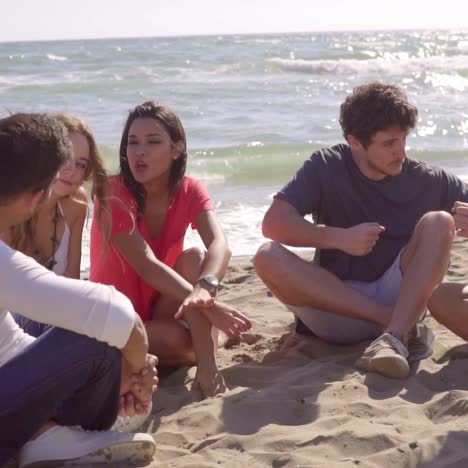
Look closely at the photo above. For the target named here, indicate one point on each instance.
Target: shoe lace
(395, 343)
(387, 340)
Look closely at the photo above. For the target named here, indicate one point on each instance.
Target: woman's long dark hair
(174, 128)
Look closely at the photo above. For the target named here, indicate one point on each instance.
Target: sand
(299, 402)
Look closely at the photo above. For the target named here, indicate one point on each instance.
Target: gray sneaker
(386, 356)
(420, 339)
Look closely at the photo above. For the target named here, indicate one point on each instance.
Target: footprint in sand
(247, 338)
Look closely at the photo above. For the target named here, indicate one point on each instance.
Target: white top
(61, 254)
(28, 288)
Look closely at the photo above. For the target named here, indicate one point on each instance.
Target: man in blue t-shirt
(382, 228)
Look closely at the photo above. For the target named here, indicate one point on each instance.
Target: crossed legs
(424, 262)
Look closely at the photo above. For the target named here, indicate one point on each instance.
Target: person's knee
(442, 221)
(195, 254)
(190, 262)
(266, 257)
(440, 226)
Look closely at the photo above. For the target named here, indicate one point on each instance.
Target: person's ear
(354, 143)
(178, 148)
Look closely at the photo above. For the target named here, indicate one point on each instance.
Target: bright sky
(61, 19)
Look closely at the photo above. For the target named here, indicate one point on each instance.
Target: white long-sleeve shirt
(28, 288)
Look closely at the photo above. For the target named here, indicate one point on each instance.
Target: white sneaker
(62, 445)
(131, 423)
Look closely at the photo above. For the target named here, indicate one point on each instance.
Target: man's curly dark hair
(373, 107)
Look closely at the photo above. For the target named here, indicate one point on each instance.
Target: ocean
(253, 106)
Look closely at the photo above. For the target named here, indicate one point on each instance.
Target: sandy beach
(254, 107)
(298, 402)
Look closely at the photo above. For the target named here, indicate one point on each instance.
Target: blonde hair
(22, 235)
(95, 170)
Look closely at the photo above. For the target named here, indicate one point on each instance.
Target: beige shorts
(345, 330)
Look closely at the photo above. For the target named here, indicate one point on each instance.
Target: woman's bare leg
(177, 345)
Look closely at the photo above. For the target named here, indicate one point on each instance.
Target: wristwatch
(210, 283)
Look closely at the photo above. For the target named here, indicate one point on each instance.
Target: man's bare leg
(449, 306)
(424, 264)
(298, 282)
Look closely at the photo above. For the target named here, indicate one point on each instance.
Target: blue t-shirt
(331, 187)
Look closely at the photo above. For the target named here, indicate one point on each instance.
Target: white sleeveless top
(61, 254)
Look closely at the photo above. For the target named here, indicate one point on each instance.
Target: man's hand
(137, 389)
(130, 406)
(359, 240)
(460, 216)
(144, 384)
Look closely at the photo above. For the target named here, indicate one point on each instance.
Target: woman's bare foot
(211, 384)
(227, 319)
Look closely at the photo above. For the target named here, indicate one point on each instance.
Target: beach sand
(299, 402)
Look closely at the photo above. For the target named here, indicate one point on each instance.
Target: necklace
(52, 262)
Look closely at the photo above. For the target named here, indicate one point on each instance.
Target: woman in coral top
(152, 202)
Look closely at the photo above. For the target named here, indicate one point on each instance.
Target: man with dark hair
(382, 231)
(74, 373)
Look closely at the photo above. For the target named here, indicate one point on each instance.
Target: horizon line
(271, 33)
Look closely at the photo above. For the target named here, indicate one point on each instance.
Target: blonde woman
(53, 236)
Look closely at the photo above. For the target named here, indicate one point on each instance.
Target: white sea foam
(390, 63)
(242, 224)
(57, 58)
(443, 80)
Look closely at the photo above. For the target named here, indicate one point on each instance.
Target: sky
(60, 19)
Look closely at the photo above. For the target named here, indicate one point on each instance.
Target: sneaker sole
(390, 366)
(138, 453)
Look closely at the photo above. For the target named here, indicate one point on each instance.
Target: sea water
(254, 106)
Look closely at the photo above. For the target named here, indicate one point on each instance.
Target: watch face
(211, 280)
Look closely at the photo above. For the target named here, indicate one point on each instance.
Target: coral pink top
(108, 266)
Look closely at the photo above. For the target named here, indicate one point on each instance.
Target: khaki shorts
(345, 330)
